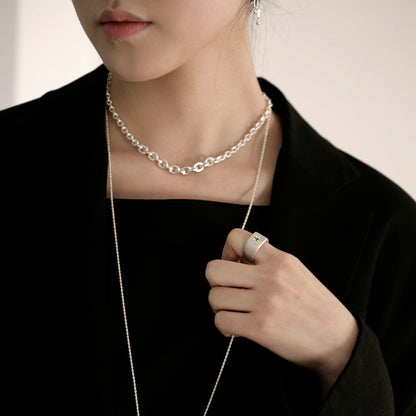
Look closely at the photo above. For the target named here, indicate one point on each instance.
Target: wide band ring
(253, 245)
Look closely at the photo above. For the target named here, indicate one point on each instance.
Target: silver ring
(253, 245)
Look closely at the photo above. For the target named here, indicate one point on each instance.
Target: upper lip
(118, 16)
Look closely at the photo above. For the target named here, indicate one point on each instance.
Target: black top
(352, 227)
(164, 247)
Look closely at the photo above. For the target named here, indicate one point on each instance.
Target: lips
(119, 24)
(118, 16)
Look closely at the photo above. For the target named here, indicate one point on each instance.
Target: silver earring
(256, 8)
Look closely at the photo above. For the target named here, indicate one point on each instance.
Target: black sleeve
(380, 377)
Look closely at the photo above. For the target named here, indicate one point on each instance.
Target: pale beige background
(348, 66)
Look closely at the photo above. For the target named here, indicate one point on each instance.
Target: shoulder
(51, 128)
(316, 163)
(55, 103)
(47, 135)
(373, 190)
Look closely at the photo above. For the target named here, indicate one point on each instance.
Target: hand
(278, 303)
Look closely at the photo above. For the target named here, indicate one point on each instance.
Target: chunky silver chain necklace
(123, 302)
(198, 166)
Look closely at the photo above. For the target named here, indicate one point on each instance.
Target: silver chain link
(126, 327)
(198, 166)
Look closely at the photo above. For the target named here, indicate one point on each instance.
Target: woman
(317, 304)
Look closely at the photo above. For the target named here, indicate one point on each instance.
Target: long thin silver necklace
(267, 116)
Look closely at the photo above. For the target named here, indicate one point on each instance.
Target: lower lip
(122, 30)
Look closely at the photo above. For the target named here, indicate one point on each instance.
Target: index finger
(234, 247)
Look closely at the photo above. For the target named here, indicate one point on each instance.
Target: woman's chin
(138, 71)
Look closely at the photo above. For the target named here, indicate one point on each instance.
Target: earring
(256, 8)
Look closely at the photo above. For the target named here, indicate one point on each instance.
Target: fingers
(231, 299)
(234, 247)
(231, 274)
(238, 287)
(234, 323)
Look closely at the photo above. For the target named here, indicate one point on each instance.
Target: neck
(200, 109)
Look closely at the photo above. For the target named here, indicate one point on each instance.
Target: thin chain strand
(258, 173)
(123, 303)
(119, 264)
(243, 227)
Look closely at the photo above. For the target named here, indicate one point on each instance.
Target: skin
(278, 303)
(186, 87)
